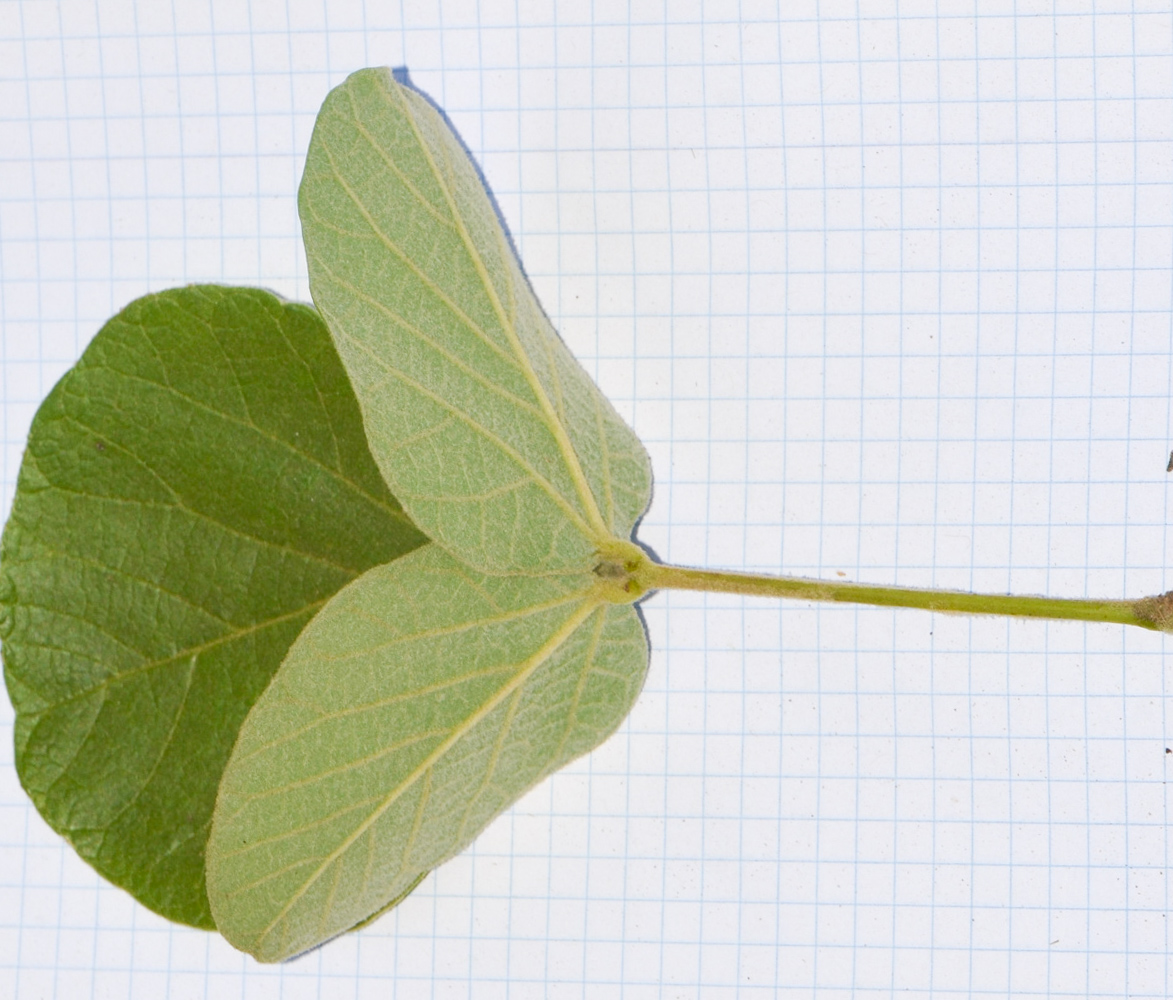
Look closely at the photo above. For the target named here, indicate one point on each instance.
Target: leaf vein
(389, 160)
(349, 571)
(508, 616)
(417, 821)
(466, 320)
(334, 771)
(587, 667)
(284, 445)
(313, 373)
(494, 758)
(164, 745)
(372, 706)
(540, 481)
(189, 651)
(150, 584)
(525, 670)
(569, 455)
(411, 328)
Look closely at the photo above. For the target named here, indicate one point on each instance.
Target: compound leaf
(416, 706)
(194, 489)
(492, 436)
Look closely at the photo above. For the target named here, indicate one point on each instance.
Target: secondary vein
(569, 455)
(526, 670)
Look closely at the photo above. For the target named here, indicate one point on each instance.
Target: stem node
(1156, 612)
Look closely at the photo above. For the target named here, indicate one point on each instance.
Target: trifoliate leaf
(416, 706)
(492, 436)
(194, 490)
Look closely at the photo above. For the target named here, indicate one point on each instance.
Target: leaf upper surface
(489, 432)
(193, 491)
(419, 703)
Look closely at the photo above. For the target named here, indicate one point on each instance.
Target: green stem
(1149, 612)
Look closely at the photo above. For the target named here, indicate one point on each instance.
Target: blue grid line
(690, 361)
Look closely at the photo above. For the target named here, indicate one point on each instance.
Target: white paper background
(886, 289)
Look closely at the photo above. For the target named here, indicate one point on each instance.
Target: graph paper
(886, 289)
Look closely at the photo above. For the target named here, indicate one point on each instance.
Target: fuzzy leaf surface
(193, 491)
(486, 428)
(420, 702)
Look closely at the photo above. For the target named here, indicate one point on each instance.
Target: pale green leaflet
(291, 609)
(492, 436)
(419, 703)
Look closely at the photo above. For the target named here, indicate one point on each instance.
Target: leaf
(194, 490)
(419, 703)
(492, 436)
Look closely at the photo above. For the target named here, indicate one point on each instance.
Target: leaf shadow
(402, 75)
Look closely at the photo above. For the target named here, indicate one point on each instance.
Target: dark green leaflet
(194, 490)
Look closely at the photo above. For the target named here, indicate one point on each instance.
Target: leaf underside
(419, 703)
(194, 490)
(430, 694)
(486, 428)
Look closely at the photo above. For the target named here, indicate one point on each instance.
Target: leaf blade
(450, 693)
(448, 348)
(193, 491)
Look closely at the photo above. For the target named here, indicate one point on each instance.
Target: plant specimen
(295, 603)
